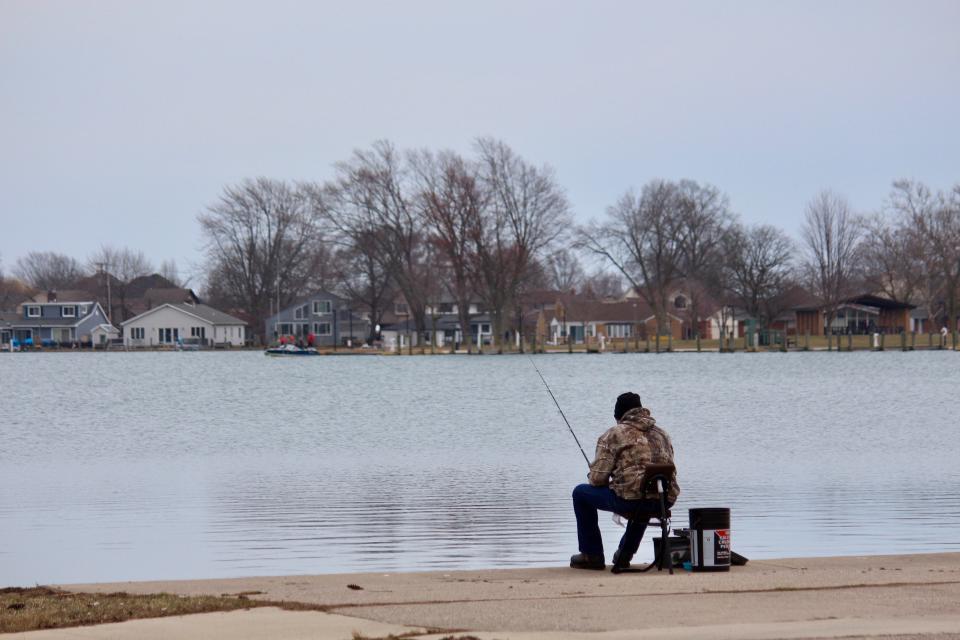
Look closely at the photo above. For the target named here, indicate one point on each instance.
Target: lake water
(132, 466)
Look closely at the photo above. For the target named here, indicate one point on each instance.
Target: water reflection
(205, 465)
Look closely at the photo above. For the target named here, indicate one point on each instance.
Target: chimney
(51, 296)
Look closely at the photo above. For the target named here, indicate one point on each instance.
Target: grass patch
(30, 609)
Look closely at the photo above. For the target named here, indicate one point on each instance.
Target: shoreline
(914, 595)
(578, 350)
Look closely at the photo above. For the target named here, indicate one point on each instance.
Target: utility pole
(103, 266)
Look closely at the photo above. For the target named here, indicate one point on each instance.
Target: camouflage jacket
(625, 450)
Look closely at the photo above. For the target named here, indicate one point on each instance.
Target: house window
(198, 332)
(136, 333)
(33, 311)
(322, 307)
(298, 313)
(680, 302)
(445, 307)
(618, 330)
(322, 328)
(68, 311)
(401, 309)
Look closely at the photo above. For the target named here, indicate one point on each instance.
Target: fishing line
(560, 410)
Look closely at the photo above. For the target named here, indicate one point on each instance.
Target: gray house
(55, 323)
(329, 317)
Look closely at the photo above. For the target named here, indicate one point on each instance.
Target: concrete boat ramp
(904, 596)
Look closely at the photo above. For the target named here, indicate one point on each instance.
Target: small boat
(291, 350)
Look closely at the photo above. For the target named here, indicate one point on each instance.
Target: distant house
(124, 300)
(329, 317)
(176, 323)
(441, 325)
(583, 318)
(861, 314)
(62, 322)
(711, 318)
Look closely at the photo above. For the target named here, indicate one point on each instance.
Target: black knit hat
(625, 402)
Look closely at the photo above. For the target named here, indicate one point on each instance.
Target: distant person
(311, 339)
(623, 453)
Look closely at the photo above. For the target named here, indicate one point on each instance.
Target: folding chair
(656, 478)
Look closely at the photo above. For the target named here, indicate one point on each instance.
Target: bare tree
(643, 239)
(262, 239)
(890, 257)
(935, 217)
(603, 284)
(169, 271)
(124, 265)
(362, 277)
(705, 221)
(12, 292)
(528, 213)
(452, 205)
(831, 237)
(48, 270)
(564, 271)
(757, 268)
(908, 205)
(371, 199)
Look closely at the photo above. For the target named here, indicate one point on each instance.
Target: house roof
(202, 311)
(810, 303)
(870, 300)
(109, 328)
(96, 282)
(64, 296)
(171, 295)
(577, 309)
(16, 319)
(138, 287)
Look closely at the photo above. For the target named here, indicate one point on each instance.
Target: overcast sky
(120, 121)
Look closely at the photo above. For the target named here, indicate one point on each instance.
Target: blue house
(329, 317)
(55, 323)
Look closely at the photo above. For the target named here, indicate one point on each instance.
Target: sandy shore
(907, 596)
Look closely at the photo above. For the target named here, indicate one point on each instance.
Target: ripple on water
(227, 464)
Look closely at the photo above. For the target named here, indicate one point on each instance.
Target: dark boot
(620, 563)
(587, 561)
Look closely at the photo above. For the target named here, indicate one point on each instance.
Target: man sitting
(623, 453)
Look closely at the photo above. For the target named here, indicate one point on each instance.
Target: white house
(172, 324)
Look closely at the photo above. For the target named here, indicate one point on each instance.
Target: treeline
(44, 271)
(491, 227)
(673, 232)
(418, 224)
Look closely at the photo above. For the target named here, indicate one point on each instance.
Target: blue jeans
(587, 499)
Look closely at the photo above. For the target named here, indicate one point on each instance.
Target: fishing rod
(560, 410)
